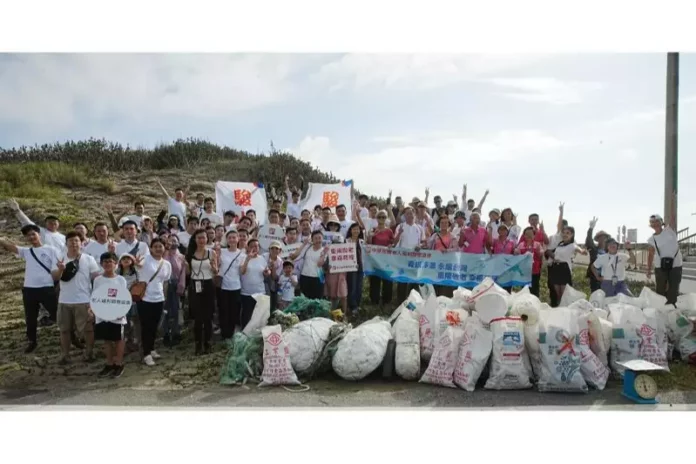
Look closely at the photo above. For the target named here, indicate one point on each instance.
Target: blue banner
(454, 269)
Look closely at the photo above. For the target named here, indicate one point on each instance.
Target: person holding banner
(202, 267)
(443, 241)
(253, 277)
(111, 332)
(354, 280)
(314, 256)
(504, 245)
(336, 286)
(381, 236)
(474, 239)
(410, 236)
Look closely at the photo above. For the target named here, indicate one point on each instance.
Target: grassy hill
(75, 181)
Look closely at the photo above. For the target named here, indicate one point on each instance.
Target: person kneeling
(112, 332)
(610, 270)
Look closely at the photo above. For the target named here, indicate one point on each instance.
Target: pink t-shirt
(506, 247)
(440, 242)
(473, 241)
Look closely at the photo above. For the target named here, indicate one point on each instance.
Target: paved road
(331, 394)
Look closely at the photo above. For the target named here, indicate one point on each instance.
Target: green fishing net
(323, 362)
(284, 320)
(306, 308)
(244, 359)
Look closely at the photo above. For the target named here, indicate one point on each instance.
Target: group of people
(190, 256)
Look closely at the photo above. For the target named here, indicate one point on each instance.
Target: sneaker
(149, 361)
(117, 371)
(155, 355)
(106, 371)
(30, 347)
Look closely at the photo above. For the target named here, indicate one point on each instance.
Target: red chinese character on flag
(242, 197)
(329, 200)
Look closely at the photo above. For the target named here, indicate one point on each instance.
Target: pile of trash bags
(479, 338)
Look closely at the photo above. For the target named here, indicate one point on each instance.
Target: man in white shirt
(75, 270)
(130, 243)
(185, 236)
(177, 205)
(100, 244)
(209, 213)
(364, 211)
(38, 288)
(345, 223)
(138, 217)
(49, 234)
(292, 196)
(411, 236)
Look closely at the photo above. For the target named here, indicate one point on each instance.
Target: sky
(536, 130)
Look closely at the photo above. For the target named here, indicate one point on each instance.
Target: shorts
(109, 331)
(74, 316)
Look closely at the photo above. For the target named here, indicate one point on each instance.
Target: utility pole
(671, 139)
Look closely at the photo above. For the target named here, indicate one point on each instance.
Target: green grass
(46, 180)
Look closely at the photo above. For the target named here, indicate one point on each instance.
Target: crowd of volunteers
(189, 257)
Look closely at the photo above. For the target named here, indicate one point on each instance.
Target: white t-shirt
(612, 265)
(214, 218)
(253, 280)
(177, 208)
(286, 287)
(115, 281)
(565, 253)
(154, 293)
(411, 235)
(124, 247)
(133, 217)
(95, 250)
(78, 289)
(184, 238)
(231, 278)
(293, 210)
(54, 239)
(35, 276)
(310, 267)
(364, 213)
(667, 244)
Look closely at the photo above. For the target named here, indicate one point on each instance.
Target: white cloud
(414, 72)
(545, 89)
(50, 90)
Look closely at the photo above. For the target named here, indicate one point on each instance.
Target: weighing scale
(638, 385)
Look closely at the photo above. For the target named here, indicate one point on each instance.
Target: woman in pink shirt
(381, 235)
(503, 245)
(443, 240)
(529, 244)
(474, 238)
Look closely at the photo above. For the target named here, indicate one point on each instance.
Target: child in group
(287, 283)
(112, 332)
(610, 270)
(126, 269)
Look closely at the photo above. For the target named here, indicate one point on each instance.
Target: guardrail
(683, 234)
